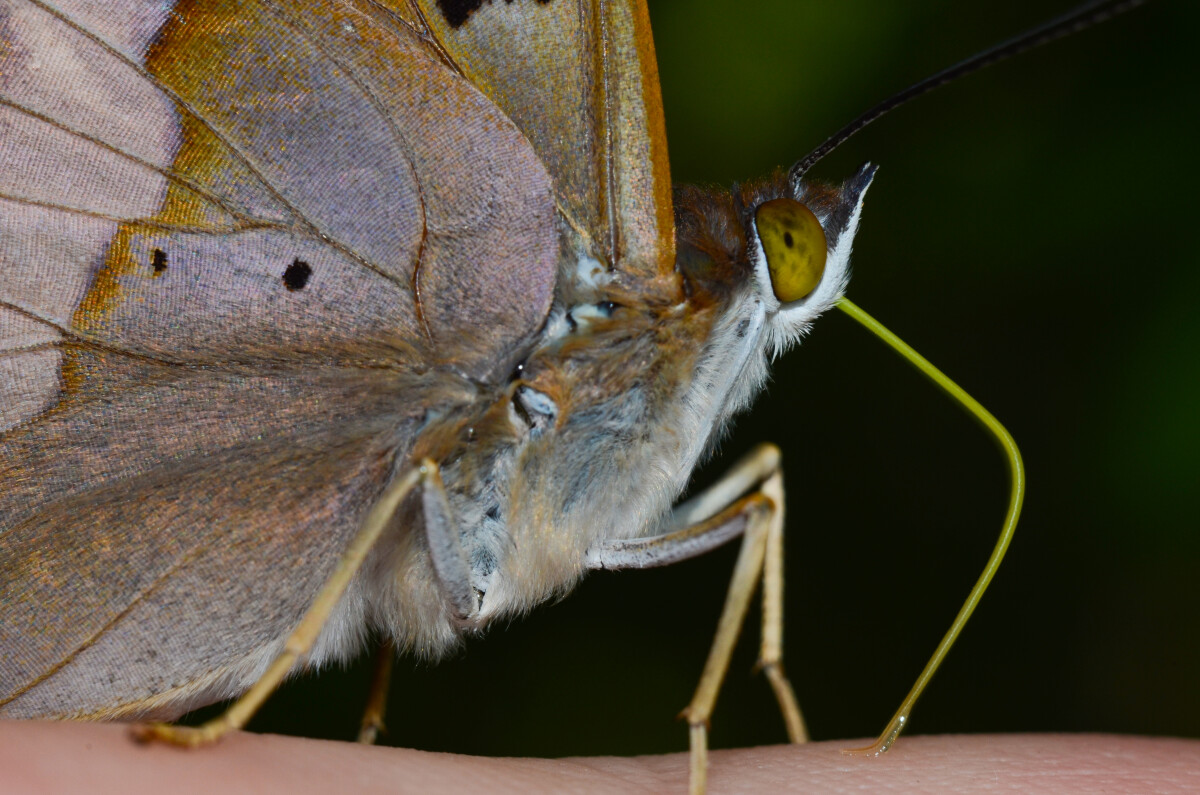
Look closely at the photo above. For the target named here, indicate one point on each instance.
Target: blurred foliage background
(1030, 232)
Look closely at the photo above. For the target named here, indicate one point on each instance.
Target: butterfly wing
(238, 242)
(580, 79)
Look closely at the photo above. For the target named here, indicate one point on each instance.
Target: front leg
(716, 516)
(446, 550)
(425, 477)
(454, 580)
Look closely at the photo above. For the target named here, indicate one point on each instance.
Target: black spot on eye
(457, 12)
(518, 372)
(608, 307)
(296, 275)
(158, 261)
(787, 239)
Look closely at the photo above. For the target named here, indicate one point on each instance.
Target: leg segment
(445, 549)
(372, 724)
(306, 632)
(755, 512)
(710, 519)
(454, 576)
(770, 654)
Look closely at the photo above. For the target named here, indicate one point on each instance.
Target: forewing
(579, 77)
(238, 244)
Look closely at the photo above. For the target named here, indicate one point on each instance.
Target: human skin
(100, 758)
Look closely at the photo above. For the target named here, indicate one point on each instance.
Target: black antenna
(1084, 16)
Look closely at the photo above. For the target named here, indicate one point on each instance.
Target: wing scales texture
(238, 242)
(580, 78)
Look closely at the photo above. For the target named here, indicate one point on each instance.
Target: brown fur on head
(711, 225)
(711, 229)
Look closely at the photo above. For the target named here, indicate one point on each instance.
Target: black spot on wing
(296, 275)
(158, 261)
(457, 12)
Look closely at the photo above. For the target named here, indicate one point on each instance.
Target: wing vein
(242, 156)
(608, 173)
(95, 636)
(154, 223)
(171, 175)
(73, 339)
(303, 30)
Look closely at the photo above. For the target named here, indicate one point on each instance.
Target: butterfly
(428, 371)
(890, 466)
(355, 249)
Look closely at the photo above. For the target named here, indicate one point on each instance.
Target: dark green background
(1031, 230)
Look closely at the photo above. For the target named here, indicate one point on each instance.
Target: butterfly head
(778, 245)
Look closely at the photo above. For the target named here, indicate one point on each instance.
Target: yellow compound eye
(794, 242)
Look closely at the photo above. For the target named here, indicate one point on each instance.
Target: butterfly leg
(306, 632)
(454, 576)
(712, 518)
(372, 724)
